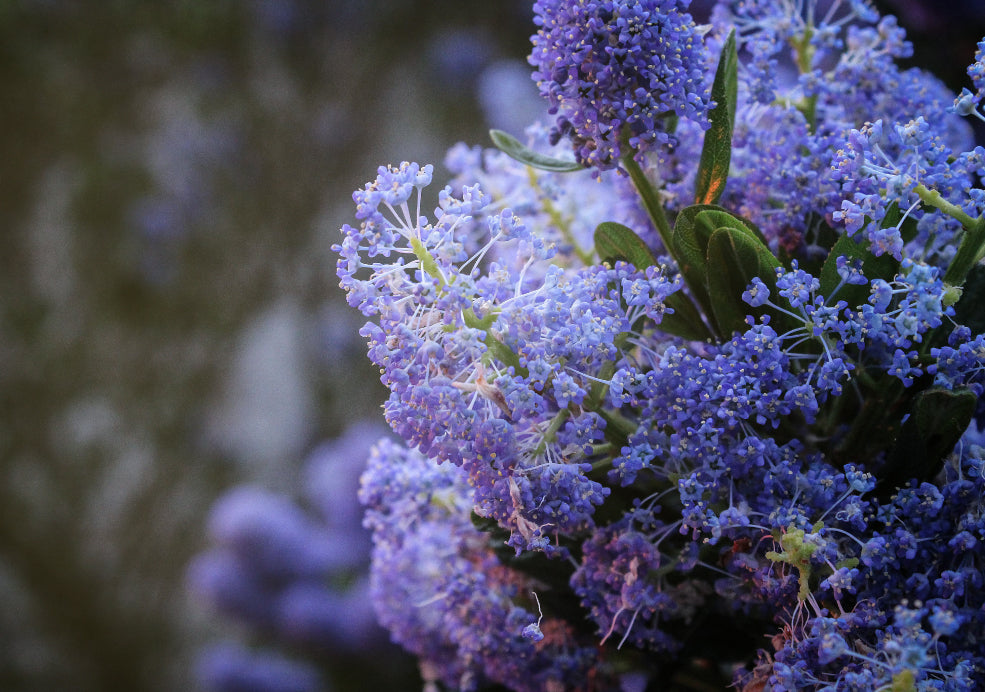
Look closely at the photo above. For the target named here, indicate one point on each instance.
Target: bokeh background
(172, 178)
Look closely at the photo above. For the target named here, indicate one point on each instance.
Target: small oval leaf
(713, 217)
(734, 258)
(512, 147)
(938, 418)
(690, 245)
(614, 242)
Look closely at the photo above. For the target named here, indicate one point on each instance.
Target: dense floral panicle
(912, 604)
(490, 367)
(615, 67)
(756, 479)
(561, 208)
(768, 28)
(881, 334)
(440, 590)
(961, 363)
(627, 594)
(840, 75)
(415, 255)
(882, 166)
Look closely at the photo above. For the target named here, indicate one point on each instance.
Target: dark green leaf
(882, 267)
(707, 220)
(938, 418)
(614, 242)
(716, 152)
(968, 310)
(685, 321)
(512, 147)
(690, 252)
(692, 230)
(690, 236)
(734, 258)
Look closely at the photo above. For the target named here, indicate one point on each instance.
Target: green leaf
(690, 251)
(968, 310)
(692, 230)
(734, 258)
(716, 152)
(938, 418)
(712, 217)
(882, 267)
(685, 321)
(512, 147)
(614, 242)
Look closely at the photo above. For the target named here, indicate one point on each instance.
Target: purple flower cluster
(796, 110)
(967, 102)
(813, 30)
(590, 488)
(442, 592)
(906, 165)
(491, 369)
(561, 208)
(931, 637)
(613, 71)
(291, 575)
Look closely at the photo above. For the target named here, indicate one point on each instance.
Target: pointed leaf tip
(512, 147)
(716, 152)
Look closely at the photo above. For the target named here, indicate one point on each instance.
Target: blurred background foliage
(172, 177)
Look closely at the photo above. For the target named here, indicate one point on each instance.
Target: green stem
(936, 200)
(551, 433)
(618, 422)
(651, 199)
(972, 247)
(427, 261)
(587, 258)
(805, 58)
(603, 449)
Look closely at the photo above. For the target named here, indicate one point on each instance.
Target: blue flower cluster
(712, 417)
(612, 71)
(441, 590)
(293, 576)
